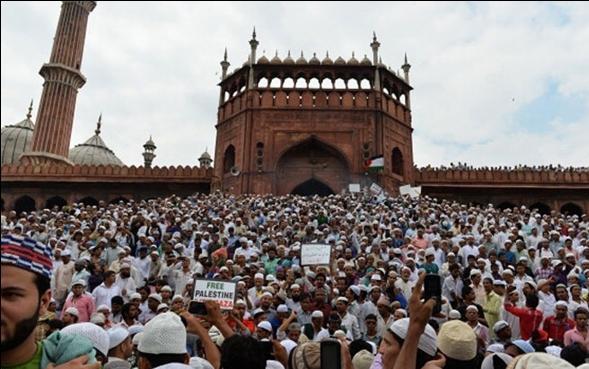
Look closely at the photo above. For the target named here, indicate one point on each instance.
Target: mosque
(285, 125)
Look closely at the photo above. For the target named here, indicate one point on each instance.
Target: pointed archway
(312, 187)
(24, 203)
(311, 167)
(570, 208)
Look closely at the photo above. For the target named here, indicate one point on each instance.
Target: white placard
(315, 254)
(224, 292)
(375, 189)
(354, 187)
(405, 190)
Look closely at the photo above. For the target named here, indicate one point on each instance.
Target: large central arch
(311, 167)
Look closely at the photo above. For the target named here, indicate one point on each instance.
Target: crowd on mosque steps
(109, 285)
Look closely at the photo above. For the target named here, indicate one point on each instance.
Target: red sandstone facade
(277, 133)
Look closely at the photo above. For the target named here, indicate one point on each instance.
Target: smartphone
(197, 308)
(330, 354)
(433, 288)
(267, 349)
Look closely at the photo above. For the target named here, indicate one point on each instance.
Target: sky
(494, 83)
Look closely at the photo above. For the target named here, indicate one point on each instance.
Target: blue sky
(494, 83)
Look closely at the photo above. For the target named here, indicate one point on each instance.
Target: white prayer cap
(317, 314)
(72, 311)
(457, 340)
(541, 360)
(160, 335)
(94, 333)
(66, 252)
(166, 288)
(198, 363)
(258, 276)
(500, 325)
(137, 338)
(162, 307)
(282, 309)
(475, 272)
(342, 299)
(454, 314)
(135, 295)
(294, 286)
(79, 282)
(427, 340)
(156, 296)
(98, 318)
(136, 328)
(497, 357)
(177, 297)
(103, 307)
(116, 336)
(265, 325)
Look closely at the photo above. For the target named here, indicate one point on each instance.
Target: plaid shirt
(542, 273)
(556, 328)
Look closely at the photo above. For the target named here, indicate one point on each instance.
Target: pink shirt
(84, 304)
(574, 335)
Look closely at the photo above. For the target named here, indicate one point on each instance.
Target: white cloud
(153, 69)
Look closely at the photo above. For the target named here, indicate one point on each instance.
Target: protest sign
(375, 189)
(315, 254)
(223, 292)
(354, 187)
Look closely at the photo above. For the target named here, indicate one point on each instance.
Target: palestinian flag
(375, 164)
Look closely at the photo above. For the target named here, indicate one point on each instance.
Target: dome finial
(29, 115)
(98, 124)
(225, 55)
(254, 33)
(374, 36)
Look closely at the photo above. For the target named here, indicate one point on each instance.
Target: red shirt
(529, 319)
(556, 328)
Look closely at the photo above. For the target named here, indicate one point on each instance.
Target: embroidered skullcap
(27, 254)
(94, 333)
(160, 335)
(457, 340)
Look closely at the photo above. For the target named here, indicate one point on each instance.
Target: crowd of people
(111, 285)
(533, 168)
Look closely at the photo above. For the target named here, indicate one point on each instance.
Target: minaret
(375, 45)
(224, 66)
(254, 45)
(148, 154)
(406, 66)
(205, 159)
(55, 117)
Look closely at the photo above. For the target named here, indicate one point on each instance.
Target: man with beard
(26, 274)
(124, 281)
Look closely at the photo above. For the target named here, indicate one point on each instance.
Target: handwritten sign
(224, 292)
(315, 254)
(375, 189)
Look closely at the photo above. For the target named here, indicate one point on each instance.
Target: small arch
(275, 83)
(386, 91)
(571, 208)
(242, 88)
(55, 201)
(263, 82)
(353, 84)
(301, 83)
(542, 208)
(312, 187)
(340, 84)
(288, 83)
(397, 160)
(402, 99)
(229, 159)
(227, 95)
(365, 84)
(506, 205)
(24, 203)
(118, 200)
(327, 84)
(314, 83)
(88, 201)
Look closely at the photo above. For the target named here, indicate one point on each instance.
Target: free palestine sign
(224, 292)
